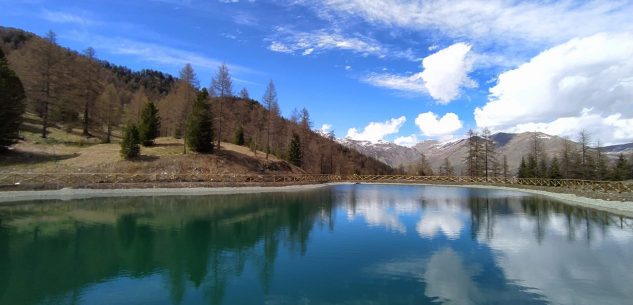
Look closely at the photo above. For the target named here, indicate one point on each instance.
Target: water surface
(347, 244)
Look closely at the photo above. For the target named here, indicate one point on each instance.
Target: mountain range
(512, 145)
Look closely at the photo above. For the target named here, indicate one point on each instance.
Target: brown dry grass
(165, 157)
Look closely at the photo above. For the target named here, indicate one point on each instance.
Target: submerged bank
(624, 208)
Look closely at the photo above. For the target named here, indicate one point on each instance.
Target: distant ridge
(513, 145)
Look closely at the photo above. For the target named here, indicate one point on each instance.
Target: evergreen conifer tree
(554, 169)
(149, 126)
(522, 169)
(12, 99)
(239, 137)
(532, 167)
(130, 143)
(294, 150)
(621, 170)
(199, 126)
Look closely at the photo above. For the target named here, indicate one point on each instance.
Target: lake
(342, 244)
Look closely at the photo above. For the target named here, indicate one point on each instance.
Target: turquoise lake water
(344, 244)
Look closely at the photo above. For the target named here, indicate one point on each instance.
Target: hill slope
(513, 146)
(74, 101)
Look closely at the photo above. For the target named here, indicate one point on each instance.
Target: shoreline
(624, 208)
(73, 194)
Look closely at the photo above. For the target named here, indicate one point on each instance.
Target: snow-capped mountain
(512, 145)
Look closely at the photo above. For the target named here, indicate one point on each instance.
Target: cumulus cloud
(325, 128)
(446, 71)
(447, 222)
(583, 83)
(444, 74)
(376, 131)
(408, 141)
(431, 125)
(449, 281)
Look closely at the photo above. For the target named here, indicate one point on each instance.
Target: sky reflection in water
(348, 244)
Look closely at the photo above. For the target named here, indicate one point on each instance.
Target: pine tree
(542, 171)
(601, 170)
(446, 169)
(522, 169)
(109, 110)
(585, 158)
(537, 167)
(91, 88)
(489, 155)
(474, 158)
(621, 170)
(252, 146)
(223, 86)
(567, 159)
(424, 168)
(12, 103)
(239, 136)
(138, 102)
(305, 122)
(244, 94)
(294, 150)
(554, 169)
(199, 133)
(130, 143)
(532, 166)
(45, 78)
(149, 125)
(505, 167)
(271, 104)
(185, 97)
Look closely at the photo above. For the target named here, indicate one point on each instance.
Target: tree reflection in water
(56, 252)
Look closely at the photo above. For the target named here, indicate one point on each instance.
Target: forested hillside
(94, 99)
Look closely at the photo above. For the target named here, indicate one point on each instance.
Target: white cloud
(411, 83)
(446, 71)
(492, 20)
(564, 255)
(306, 43)
(151, 52)
(408, 141)
(583, 83)
(325, 128)
(280, 47)
(432, 126)
(376, 131)
(444, 74)
(449, 281)
(445, 221)
(65, 17)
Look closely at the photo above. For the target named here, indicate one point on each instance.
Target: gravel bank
(71, 194)
(624, 208)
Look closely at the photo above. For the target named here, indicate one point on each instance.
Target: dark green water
(348, 244)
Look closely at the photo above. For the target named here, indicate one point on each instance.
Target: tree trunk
(45, 120)
(86, 120)
(220, 122)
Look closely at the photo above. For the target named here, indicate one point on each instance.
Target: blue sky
(402, 71)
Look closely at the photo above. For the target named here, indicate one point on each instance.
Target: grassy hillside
(80, 116)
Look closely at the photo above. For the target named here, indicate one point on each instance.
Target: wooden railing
(85, 179)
